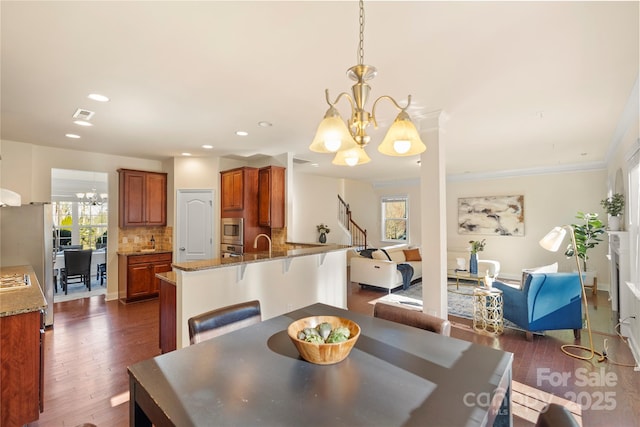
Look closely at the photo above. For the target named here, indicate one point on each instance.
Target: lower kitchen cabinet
(137, 275)
(21, 352)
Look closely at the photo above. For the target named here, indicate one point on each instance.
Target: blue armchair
(546, 301)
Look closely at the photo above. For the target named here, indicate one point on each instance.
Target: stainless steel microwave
(232, 231)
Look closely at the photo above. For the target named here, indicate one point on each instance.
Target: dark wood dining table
(395, 375)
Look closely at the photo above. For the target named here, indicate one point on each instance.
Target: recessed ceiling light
(207, 147)
(315, 165)
(242, 133)
(83, 123)
(98, 97)
(72, 135)
(264, 124)
(186, 154)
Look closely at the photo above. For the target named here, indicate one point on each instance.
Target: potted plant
(323, 230)
(613, 206)
(587, 236)
(476, 246)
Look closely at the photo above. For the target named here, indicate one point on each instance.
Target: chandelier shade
(349, 139)
(402, 139)
(332, 134)
(353, 157)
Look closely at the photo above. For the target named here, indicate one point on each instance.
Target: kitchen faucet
(255, 242)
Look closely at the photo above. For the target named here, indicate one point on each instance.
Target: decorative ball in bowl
(330, 346)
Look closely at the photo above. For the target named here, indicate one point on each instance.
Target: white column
(434, 218)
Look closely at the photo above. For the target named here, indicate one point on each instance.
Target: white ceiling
(520, 84)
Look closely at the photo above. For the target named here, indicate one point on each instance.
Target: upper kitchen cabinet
(143, 198)
(271, 197)
(238, 193)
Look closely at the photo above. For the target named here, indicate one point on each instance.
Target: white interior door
(195, 224)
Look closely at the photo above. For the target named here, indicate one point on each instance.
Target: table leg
(137, 417)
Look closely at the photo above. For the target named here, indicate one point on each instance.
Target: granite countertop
(252, 257)
(168, 276)
(24, 299)
(133, 253)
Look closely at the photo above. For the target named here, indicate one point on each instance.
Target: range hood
(9, 198)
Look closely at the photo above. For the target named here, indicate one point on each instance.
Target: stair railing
(358, 234)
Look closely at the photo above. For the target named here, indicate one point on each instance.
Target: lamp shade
(402, 139)
(553, 239)
(332, 134)
(353, 157)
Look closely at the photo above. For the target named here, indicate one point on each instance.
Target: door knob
(182, 249)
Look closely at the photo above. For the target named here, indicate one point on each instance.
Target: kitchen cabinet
(167, 312)
(21, 352)
(137, 274)
(239, 192)
(143, 198)
(271, 197)
(232, 189)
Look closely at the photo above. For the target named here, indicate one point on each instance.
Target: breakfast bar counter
(281, 280)
(253, 257)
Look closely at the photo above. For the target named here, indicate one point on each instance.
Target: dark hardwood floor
(93, 341)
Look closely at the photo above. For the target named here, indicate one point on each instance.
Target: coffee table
(465, 275)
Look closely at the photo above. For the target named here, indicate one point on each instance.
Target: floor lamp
(552, 242)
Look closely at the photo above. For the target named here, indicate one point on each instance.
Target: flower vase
(473, 264)
(323, 238)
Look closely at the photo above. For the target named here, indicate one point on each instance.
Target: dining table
(395, 375)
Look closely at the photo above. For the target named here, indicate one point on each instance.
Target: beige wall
(549, 200)
(314, 202)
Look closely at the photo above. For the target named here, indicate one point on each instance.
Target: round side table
(487, 310)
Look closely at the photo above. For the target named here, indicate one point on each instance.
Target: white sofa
(381, 272)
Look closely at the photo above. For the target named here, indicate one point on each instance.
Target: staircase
(358, 235)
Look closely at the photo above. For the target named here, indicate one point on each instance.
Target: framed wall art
(491, 215)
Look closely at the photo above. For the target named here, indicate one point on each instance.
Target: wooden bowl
(327, 353)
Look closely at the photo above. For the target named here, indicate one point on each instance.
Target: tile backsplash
(133, 239)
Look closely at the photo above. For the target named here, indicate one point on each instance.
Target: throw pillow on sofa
(380, 255)
(367, 253)
(412, 255)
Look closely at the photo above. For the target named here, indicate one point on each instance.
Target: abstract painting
(495, 215)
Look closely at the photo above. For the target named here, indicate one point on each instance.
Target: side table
(487, 310)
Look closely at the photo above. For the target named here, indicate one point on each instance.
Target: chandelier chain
(361, 44)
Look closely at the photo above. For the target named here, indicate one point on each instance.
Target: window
(80, 223)
(395, 221)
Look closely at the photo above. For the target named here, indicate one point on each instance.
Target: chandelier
(92, 198)
(348, 140)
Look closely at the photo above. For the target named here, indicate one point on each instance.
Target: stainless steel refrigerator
(26, 238)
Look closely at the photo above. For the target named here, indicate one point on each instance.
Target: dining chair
(222, 320)
(77, 266)
(417, 319)
(101, 272)
(556, 415)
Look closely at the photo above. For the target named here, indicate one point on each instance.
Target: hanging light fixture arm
(340, 95)
(393, 101)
